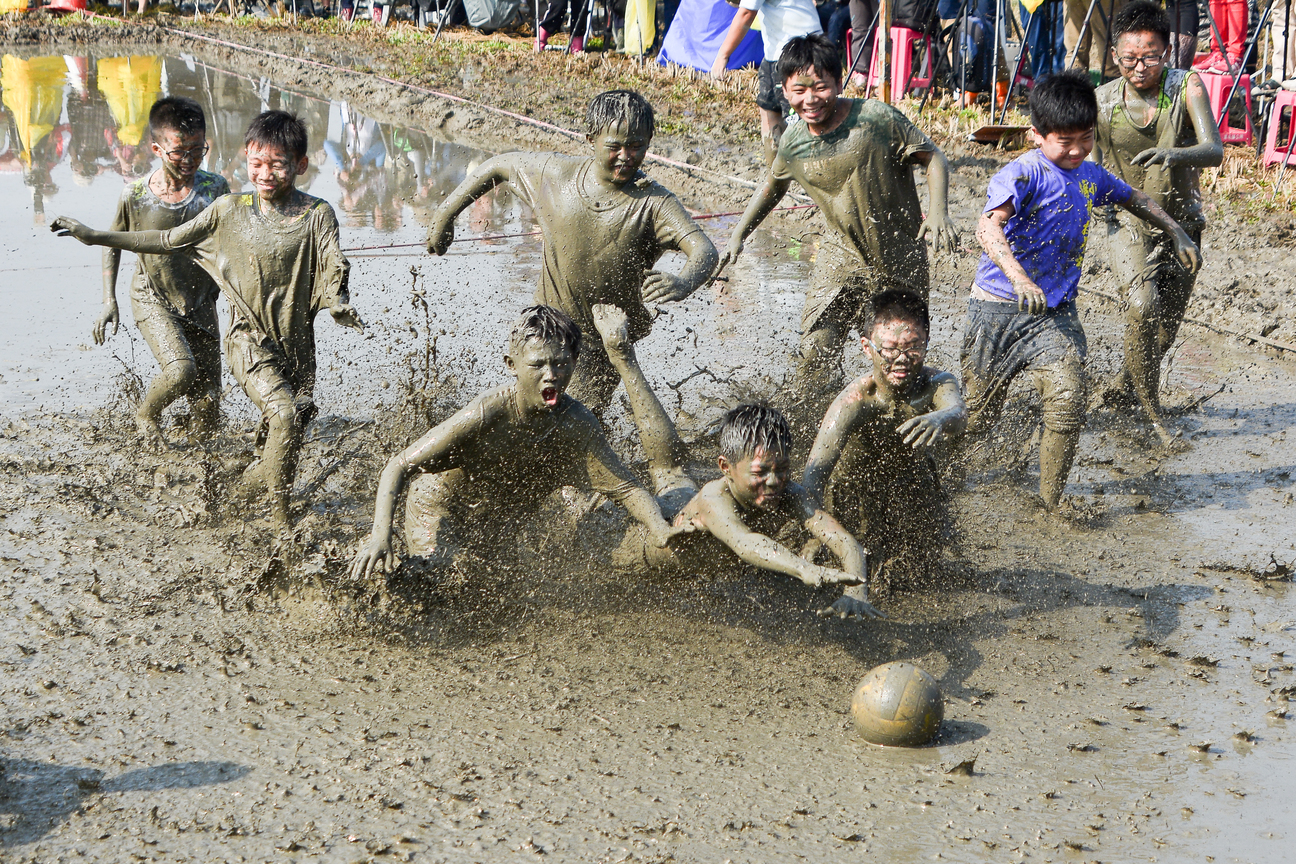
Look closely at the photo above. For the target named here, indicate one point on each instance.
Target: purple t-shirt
(1052, 209)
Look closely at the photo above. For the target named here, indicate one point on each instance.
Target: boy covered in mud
(855, 158)
(605, 225)
(172, 298)
(742, 512)
(274, 252)
(1022, 316)
(1156, 132)
(491, 465)
(874, 441)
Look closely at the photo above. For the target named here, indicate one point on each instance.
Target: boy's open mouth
(549, 395)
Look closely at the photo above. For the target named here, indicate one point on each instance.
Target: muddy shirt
(276, 277)
(861, 176)
(512, 463)
(175, 282)
(1120, 138)
(597, 247)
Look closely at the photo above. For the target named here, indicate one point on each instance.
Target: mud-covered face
(543, 370)
(273, 170)
(1141, 58)
(897, 349)
(1067, 150)
(181, 153)
(812, 96)
(618, 153)
(758, 480)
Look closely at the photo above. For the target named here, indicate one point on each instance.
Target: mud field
(1116, 684)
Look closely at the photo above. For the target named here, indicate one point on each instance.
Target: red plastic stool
(903, 41)
(1284, 111)
(1218, 86)
(66, 5)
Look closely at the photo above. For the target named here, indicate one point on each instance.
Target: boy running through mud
(173, 299)
(855, 158)
(605, 225)
(1156, 132)
(274, 253)
(743, 510)
(492, 464)
(874, 441)
(1021, 313)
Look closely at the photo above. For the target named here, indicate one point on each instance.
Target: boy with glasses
(1156, 132)
(172, 297)
(874, 443)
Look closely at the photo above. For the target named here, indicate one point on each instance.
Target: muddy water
(166, 696)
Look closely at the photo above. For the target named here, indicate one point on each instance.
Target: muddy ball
(897, 705)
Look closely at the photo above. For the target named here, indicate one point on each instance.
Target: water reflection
(93, 112)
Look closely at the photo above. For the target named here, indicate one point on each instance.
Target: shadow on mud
(35, 797)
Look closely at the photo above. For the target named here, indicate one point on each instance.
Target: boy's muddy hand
(815, 575)
(923, 430)
(1030, 298)
(439, 238)
(940, 230)
(66, 226)
(1155, 156)
(1187, 252)
(346, 315)
(851, 607)
(374, 557)
(726, 258)
(666, 539)
(661, 287)
(110, 315)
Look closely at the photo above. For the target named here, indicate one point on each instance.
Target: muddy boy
(735, 518)
(274, 252)
(855, 158)
(605, 225)
(874, 449)
(477, 475)
(173, 299)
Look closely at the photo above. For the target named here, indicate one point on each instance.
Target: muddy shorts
(769, 93)
(1146, 265)
(999, 343)
(841, 285)
(595, 379)
(191, 341)
(268, 379)
(636, 553)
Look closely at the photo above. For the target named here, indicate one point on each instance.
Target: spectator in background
(1284, 47)
(1231, 18)
(1046, 36)
(863, 25)
(782, 20)
(552, 22)
(1096, 36)
(1184, 20)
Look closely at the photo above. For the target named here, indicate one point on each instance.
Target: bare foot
(613, 325)
(152, 433)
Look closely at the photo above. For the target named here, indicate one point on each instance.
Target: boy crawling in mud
(1022, 315)
(874, 442)
(274, 253)
(491, 465)
(1156, 132)
(740, 513)
(172, 298)
(605, 225)
(855, 158)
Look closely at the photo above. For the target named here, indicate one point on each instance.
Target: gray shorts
(769, 94)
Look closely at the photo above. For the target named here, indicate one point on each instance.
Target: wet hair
(1141, 16)
(616, 107)
(896, 304)
(749, 428)
(177, 114)
(816, 52)
(545, 324)
(277, 129)
(1064, 102)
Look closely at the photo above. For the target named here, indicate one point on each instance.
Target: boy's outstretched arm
(937, 225)
(1209, 152)
(854, 560)
(726, 525)
(841, 419)
(659, 287)
(760, 206)
(146, 242)
(1149, 211)
(488, 175)
(946, 420)
(990, 234)
(431, 453)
